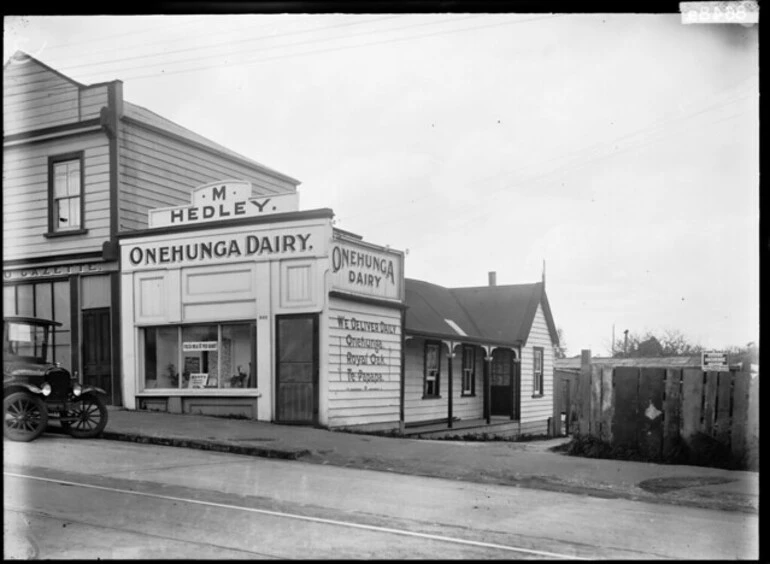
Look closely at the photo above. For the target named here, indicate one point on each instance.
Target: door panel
(97, 358)
(501, 383)
(297, 370)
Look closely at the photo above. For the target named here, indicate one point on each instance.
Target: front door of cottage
(297, 369)
(501, 382)
(97, 359)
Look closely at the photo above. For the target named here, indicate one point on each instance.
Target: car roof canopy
(31, 320)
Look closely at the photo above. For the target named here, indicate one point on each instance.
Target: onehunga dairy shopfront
(237, 305)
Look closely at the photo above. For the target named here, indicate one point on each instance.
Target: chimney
(493, 278)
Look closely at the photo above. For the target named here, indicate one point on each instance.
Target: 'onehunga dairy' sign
(228, 199)
(367, 270)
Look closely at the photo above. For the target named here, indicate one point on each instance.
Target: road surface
(65, 498)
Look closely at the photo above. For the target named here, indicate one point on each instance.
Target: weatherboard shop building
(236, 305)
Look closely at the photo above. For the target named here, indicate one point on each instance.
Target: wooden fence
(652, 408)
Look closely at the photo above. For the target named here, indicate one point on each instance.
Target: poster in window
(212, 381)
(198, 380)
(192, 364)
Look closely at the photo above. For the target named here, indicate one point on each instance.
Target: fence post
(584, 392)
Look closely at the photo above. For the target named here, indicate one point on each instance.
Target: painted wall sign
(366, 271)
(193, 251)
(229, 199)
(367, 349)
(58, 270)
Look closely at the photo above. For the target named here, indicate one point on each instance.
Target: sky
(621, 151)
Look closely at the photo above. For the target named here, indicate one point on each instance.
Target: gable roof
(489, 314)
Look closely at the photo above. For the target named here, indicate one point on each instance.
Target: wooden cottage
(478, 359)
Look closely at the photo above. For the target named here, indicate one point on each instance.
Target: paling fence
(655, 409)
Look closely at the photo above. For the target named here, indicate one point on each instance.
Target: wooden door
(97, 358)
(501, 383)
(297, 369)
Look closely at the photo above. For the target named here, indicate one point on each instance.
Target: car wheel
(91, 418)
(25, 417)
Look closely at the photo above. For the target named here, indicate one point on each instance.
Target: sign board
(198, 380)
(714, 361)
(228, 199)
(269, 243)
(195, 346)
(367, 270)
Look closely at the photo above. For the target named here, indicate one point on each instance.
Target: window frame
(183, 385)
(52, 225)
(436, 394)
(538, 375)
(470, 391)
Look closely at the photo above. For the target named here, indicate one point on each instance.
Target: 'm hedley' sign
(228, 199)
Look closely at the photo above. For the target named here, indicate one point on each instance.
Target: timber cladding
(651, 410)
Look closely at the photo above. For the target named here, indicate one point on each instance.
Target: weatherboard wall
(35, 97)
(363, 365)
(157, 170)
(535, 411)
(26, 202)
(416, 408)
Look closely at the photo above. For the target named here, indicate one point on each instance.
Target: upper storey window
(65, 174)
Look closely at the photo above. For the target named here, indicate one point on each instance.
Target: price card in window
(198, 380)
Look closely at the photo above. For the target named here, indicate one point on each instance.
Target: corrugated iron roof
(495, 314)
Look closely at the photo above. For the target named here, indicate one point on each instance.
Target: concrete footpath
(520, 464)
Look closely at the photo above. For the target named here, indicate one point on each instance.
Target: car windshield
(26, 340)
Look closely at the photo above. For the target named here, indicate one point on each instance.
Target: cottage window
(432, 372)
(201, 356)
(469, 371)
(537, 384)
(66, 194)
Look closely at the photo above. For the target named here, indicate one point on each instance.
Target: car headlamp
(46, 389)
(77, 389)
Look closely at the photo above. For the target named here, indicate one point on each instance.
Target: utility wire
(250, 62)
(220, 45)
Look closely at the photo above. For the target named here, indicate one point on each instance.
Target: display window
(200, 356)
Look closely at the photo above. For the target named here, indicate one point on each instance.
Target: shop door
(97, 360)
(297, 369)
(501, 382)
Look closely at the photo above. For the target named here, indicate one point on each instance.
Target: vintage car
(35, 389)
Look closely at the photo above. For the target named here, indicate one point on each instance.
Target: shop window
(201, 356)
(537, 384)
(432, 377)
(49, 300)
(469, 371)
(65, 187)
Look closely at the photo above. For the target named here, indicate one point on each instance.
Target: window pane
(59, 180)
(73, 178)
(26, 303)
(61, 304)
(200, 347)
(237, 352)
(43, 306)
(296, 338)
(74, 212)
(63, 349)
(9, 300)
(161, 354)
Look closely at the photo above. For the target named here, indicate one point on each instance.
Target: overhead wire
(250, 62)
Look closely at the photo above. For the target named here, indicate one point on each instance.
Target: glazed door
(97, 360)
(501, 382)
(297, 369)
